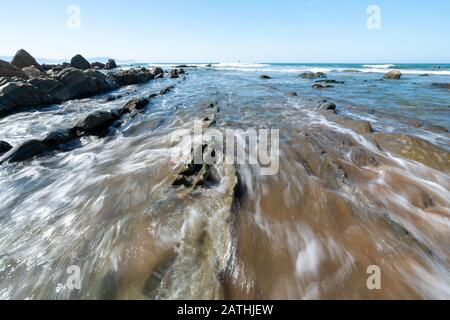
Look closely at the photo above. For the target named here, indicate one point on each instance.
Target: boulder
(24, 152)
(79, 62)
(131, 76)
(19, 94)
(134, 105)
(95, 123)
(111, 64)
(9, 70)
(313, 75)
(98, 65)
(4, 147)
(23, 59)
(174, 74)
(76, 84)
(393, 75)
(34, 72)
(414, 148)
(58, 138)
(157, 72)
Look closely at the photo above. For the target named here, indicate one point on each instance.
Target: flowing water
(338, 204)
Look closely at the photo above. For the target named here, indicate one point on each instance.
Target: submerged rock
(330, 81)
(79, 62)
(24, 152)
(59, 137)
(4, 147)
(175, 73)
(326, 106)
(359, 126)
(441, 85)
(313, 75)
(9, 70)
(166, 90)
(135, 105)
(414, 148)
(393, 75)
(292, 94)
(321, 86)
(23, 59)
(265, 77)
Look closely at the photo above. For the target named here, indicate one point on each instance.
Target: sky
(229, 30)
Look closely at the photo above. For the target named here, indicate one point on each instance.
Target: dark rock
(166, 90)
(209, 65)
(157, 72)
(313, 75)
(23, 59)
(134, 105)
(174, 74)
(24, 152)
(321, 86)
(329, 81)
(393, 75)
(18, 94)
(59, 137)
(292, 94)
(77, 84)
(111, 64)
(4, 147)
(327, 106)
(441, 85)
(95, 123)
(131, 76)
(265, 77)
(79, 62)
(9, 70)
(98, 65)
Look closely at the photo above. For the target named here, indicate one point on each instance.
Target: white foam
(379, 66)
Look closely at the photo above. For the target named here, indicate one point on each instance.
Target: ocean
(343, 199)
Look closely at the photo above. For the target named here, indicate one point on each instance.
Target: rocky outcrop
(98, 65)
(175, 73)
(34, 72)
(393, 75)
(16, 94)
(4, 147)
(23, 59)
(359, 126)
(313, 75)
(9, 70)
(414, 148)
(111, 64)
(79, 62)
(131, 76)
(157, 72)
(75, 84)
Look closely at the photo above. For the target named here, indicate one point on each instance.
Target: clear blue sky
(230, 30)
